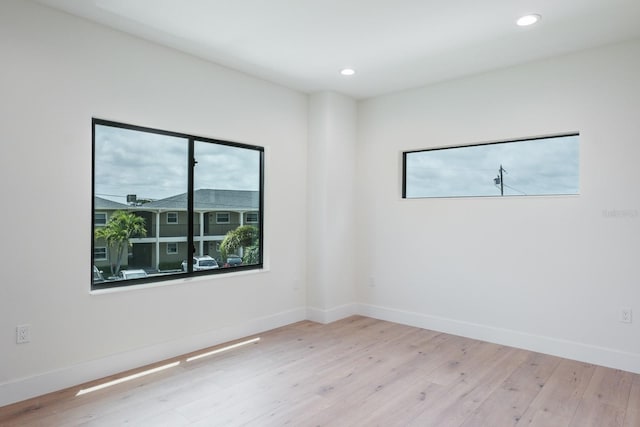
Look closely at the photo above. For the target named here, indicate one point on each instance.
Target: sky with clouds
(154, 166)
(534, 167)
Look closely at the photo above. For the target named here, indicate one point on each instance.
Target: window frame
(190, 190)
(106, 253)
(252, 221)
(170, 244)
(524, 139)
(172, 214)
(100, 224)
(228, 214)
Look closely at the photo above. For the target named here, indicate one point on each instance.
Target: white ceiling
(392, 44)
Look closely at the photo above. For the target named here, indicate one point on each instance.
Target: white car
(132, 274)
(204, 262)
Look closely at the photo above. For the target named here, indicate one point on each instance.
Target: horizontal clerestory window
(153, 192)
(539, 166)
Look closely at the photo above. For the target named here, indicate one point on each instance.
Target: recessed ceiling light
(527, 20)
(347, 71)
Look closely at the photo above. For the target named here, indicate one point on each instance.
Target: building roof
(210, 199)
(205, 199)
(100, 203)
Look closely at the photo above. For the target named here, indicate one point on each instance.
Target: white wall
(57, 73)
(547, 273)
(331, 233)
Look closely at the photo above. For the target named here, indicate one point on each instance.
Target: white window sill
(178, 281)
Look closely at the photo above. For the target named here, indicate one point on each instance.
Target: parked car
(97, 275)
(204, 262)
(132, 274)
(233, 261)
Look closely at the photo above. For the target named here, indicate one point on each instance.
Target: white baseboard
(37, 385)
(331, 315)
(596, 355)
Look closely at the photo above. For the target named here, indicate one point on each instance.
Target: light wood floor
(355, 372)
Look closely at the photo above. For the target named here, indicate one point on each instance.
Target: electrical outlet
(625, 315)
(23, 334)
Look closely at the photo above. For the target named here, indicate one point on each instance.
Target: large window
(158, 190)
(528, 167)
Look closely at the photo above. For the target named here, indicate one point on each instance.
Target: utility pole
(500, 180)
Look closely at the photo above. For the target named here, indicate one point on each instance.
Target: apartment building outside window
(162, 198)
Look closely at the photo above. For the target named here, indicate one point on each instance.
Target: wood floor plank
(354, 372)
(632, 416)
(634, 395)
(506, 405)
(544, 418)
(459, 400)
(611, 386)
(345, 377)
(395, 370)
(404, 406)
(561, 394)
(297, 370)
(597, 414)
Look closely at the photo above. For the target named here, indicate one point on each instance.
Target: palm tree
(245, 236)
(116, 234)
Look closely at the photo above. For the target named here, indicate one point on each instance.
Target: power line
(499, 180)
(515, 189)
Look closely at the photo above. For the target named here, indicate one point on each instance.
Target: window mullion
(190, 196)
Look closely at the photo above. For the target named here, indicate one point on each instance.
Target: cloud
(154, 166)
